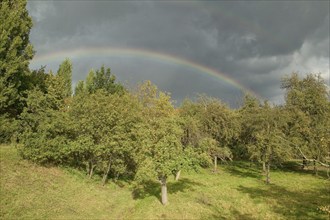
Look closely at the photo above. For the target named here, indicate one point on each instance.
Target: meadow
(236, 191)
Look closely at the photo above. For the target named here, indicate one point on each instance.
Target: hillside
(31, 191)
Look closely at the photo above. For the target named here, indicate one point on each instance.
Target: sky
(218, 48)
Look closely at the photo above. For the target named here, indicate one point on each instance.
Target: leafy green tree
(211, 146)
(251, 105)
(8, 128)
(161, 152)
(195, 155)
(90, 85)
(46, 131)
(104, 125)
(64, 74)
(39, 79)
(220, 124)
(191, 125)
(101, 79)
(56, 91)
(263, 134)
(210, 128)
(307, 103)
(80, 88)
(15, 54)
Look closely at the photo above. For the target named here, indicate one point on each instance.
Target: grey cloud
(253, 42)
(277, 27)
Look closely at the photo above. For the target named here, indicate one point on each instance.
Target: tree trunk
(164, 190)
(105, 176)
(268, 173)
(215, 163)
(88, 168)
(177, 176)
(304, 163)
(315, 167)
(91, 171)
(264, 167)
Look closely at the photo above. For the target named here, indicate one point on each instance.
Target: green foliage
(210, 128)
(45, 131)
(38, 79)
(64, 75)
(90, 88)
(212, 147)
(308, 109)
(100, 79)
(191, 125)
(8, 128)
(160, 153)
(15, 54)
(80, 88)
(105, 123)
(218, 120)
(263, 133)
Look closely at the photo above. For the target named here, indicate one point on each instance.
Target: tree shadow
(153, 188)
(146, 189)
(294, 166)
(243, 169)
(235, 214)
(208, 202)
(290, 204)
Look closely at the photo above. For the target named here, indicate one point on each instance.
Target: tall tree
(64, 73)
(251, 105)
(102, 79)
(218, 123)
(80, 87)
(90, 85)
(307, 102)
(103, 125)
(15, 54)
(56, 91)
(263, 134)
(46, 129)
(161, 152)
(193, 135)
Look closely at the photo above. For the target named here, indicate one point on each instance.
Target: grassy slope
(31, 191)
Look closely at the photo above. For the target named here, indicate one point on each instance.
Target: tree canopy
(15, 54)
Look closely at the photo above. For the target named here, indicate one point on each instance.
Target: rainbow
(129, 52)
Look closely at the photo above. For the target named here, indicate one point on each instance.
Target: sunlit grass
(236, 191)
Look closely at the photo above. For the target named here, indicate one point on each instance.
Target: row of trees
(113, 132)
(109, 130)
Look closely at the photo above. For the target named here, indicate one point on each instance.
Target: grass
(236, 191)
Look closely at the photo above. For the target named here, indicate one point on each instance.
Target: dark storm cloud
(255, 43)
(270, 27)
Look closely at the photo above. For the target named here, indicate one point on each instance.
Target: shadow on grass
(254, 170)
(153, 188)
(292, 205)
(243, 169)
(235, 214)
(295, 166)
(148, 188)
(216, 213)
